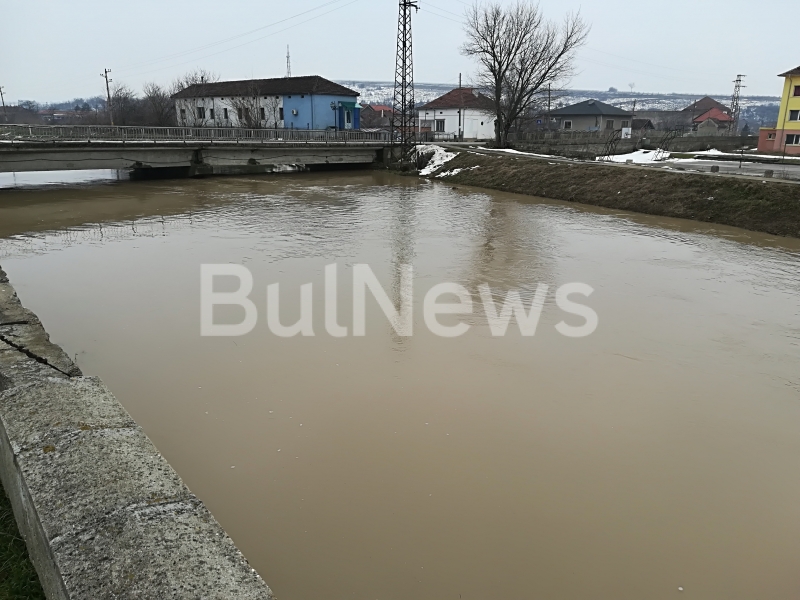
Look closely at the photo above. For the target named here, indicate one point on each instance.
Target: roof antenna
(288, 62)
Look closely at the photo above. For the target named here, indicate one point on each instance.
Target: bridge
(193, 151)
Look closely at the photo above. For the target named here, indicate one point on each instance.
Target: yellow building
(785, 137)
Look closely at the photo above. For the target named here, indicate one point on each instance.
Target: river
(660, 452)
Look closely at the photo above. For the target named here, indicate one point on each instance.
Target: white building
(462, 113)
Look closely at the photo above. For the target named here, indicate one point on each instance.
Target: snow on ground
(512, 151)
(439, 158)
(456, 171)
(714, 152)
(638, 157)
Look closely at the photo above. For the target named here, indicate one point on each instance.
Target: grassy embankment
(18, 578)
(771, 207)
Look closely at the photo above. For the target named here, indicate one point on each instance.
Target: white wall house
(462, 112)
(222, 111)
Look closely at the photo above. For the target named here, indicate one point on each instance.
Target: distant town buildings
(785, 136)
(462, 113)
(311, 102)
(706, 117)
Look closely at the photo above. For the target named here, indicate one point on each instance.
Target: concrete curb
(102, 512)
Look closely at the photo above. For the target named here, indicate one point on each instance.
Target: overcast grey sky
(55, 50)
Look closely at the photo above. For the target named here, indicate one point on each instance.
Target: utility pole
(547, 125)
(402, 130)
(104, 75)
(288, 62)
(733, 127)
(3, 100)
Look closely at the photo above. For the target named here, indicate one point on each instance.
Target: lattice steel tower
(733, 128)
(403, 114)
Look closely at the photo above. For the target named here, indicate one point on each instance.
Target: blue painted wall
(314, 111)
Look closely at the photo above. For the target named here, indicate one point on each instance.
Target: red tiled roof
(462, 98)
(715, 114)
(384, 107)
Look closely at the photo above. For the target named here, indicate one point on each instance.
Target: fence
(47, 133)
(564, 136)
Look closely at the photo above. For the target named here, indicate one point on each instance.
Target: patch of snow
(638, 157)
(457, 171)
(512, 151)
(714, 152)
(450, 173)
(439, 158)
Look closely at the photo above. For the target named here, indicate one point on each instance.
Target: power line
(430, 4)
(104, 75)
(403, 113)
(246, 43)
(733, 126)
(229, 39)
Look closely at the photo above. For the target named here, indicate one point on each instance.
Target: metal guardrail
(49, 133)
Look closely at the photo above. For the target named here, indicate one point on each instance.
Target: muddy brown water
(660, 452)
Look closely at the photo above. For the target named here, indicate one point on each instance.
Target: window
(201, 112)
(348, 117)
(797, 90)
(567, 124)
(794, 115)
(625, 124)
(183, 114)
(610, 124)
(263, 113)
(440, 125)
(280, 113)
(770, 136)
(225, 113)
(211, 114)
(793, 139)
(239, 113)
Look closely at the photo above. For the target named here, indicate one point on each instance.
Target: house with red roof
(462, 113)
(714, 121)
(376, 115)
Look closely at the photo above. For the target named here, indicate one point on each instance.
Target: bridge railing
(90, 133)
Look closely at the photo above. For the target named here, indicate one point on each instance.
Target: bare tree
(196, 77)
(248, 110)
(125, 105)
(192, 114)
(519, 54)
(254, 113)
(159, 107)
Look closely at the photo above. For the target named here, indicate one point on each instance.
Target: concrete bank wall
(102, 513)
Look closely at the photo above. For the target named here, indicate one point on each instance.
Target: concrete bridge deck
(198, 150)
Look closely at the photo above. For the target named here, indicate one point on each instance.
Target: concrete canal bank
(102, 512)
(755, 203)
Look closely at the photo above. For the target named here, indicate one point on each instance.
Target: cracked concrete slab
(23, 330)
(102, 512)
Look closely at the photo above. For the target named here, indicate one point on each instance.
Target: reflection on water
(662, 451)
(51, 178)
